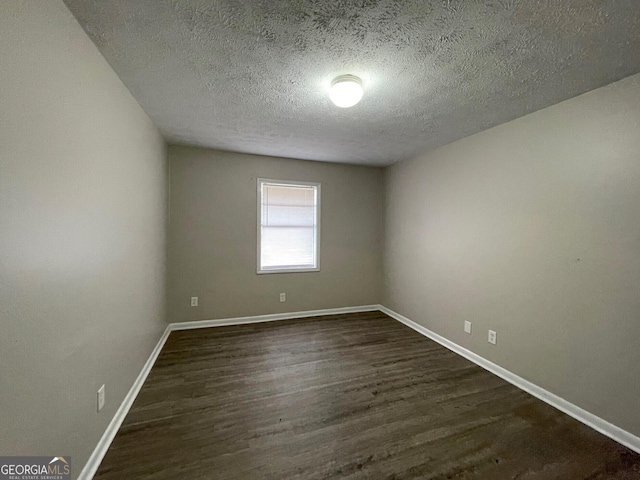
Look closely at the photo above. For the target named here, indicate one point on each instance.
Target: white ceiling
(253, 76)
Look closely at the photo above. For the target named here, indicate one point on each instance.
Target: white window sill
(288, 270)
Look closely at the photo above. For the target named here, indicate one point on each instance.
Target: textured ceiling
(253, 76)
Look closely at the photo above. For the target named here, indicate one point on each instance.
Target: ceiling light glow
(346, 91)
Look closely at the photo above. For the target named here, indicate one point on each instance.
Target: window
(288, 226)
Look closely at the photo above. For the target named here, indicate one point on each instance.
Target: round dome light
(346, 91)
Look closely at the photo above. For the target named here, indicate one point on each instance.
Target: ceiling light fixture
(346, 91)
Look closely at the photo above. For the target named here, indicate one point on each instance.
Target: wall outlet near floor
(493, 337)
(101, 397)
(194, 301)
(467, 327)
(283, 297)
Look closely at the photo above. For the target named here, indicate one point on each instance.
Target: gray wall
(531, 228)
(82, 234)
(213, 235)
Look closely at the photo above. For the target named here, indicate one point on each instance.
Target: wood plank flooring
(357, 396)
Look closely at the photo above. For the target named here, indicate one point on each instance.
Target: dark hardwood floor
(347, 396)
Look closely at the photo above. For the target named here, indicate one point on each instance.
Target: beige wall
(82, 234)
(213, 235)
(532, 228)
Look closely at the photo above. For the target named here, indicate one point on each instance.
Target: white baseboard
(91, 467)
(271, 317)
(612, 431)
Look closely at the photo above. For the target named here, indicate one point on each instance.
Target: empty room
(307, 239)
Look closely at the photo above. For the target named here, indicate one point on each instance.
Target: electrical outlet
(194, 301)
(101, 393)
(493, 337)
(467, 327)
(283, 297)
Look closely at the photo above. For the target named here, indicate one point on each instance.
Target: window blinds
(288, 226)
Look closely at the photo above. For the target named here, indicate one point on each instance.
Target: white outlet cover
(194, 301)
(493, 337)
(467, 327)
(101, 394)
(283, 297)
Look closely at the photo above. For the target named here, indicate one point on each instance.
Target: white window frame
(288, 269)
